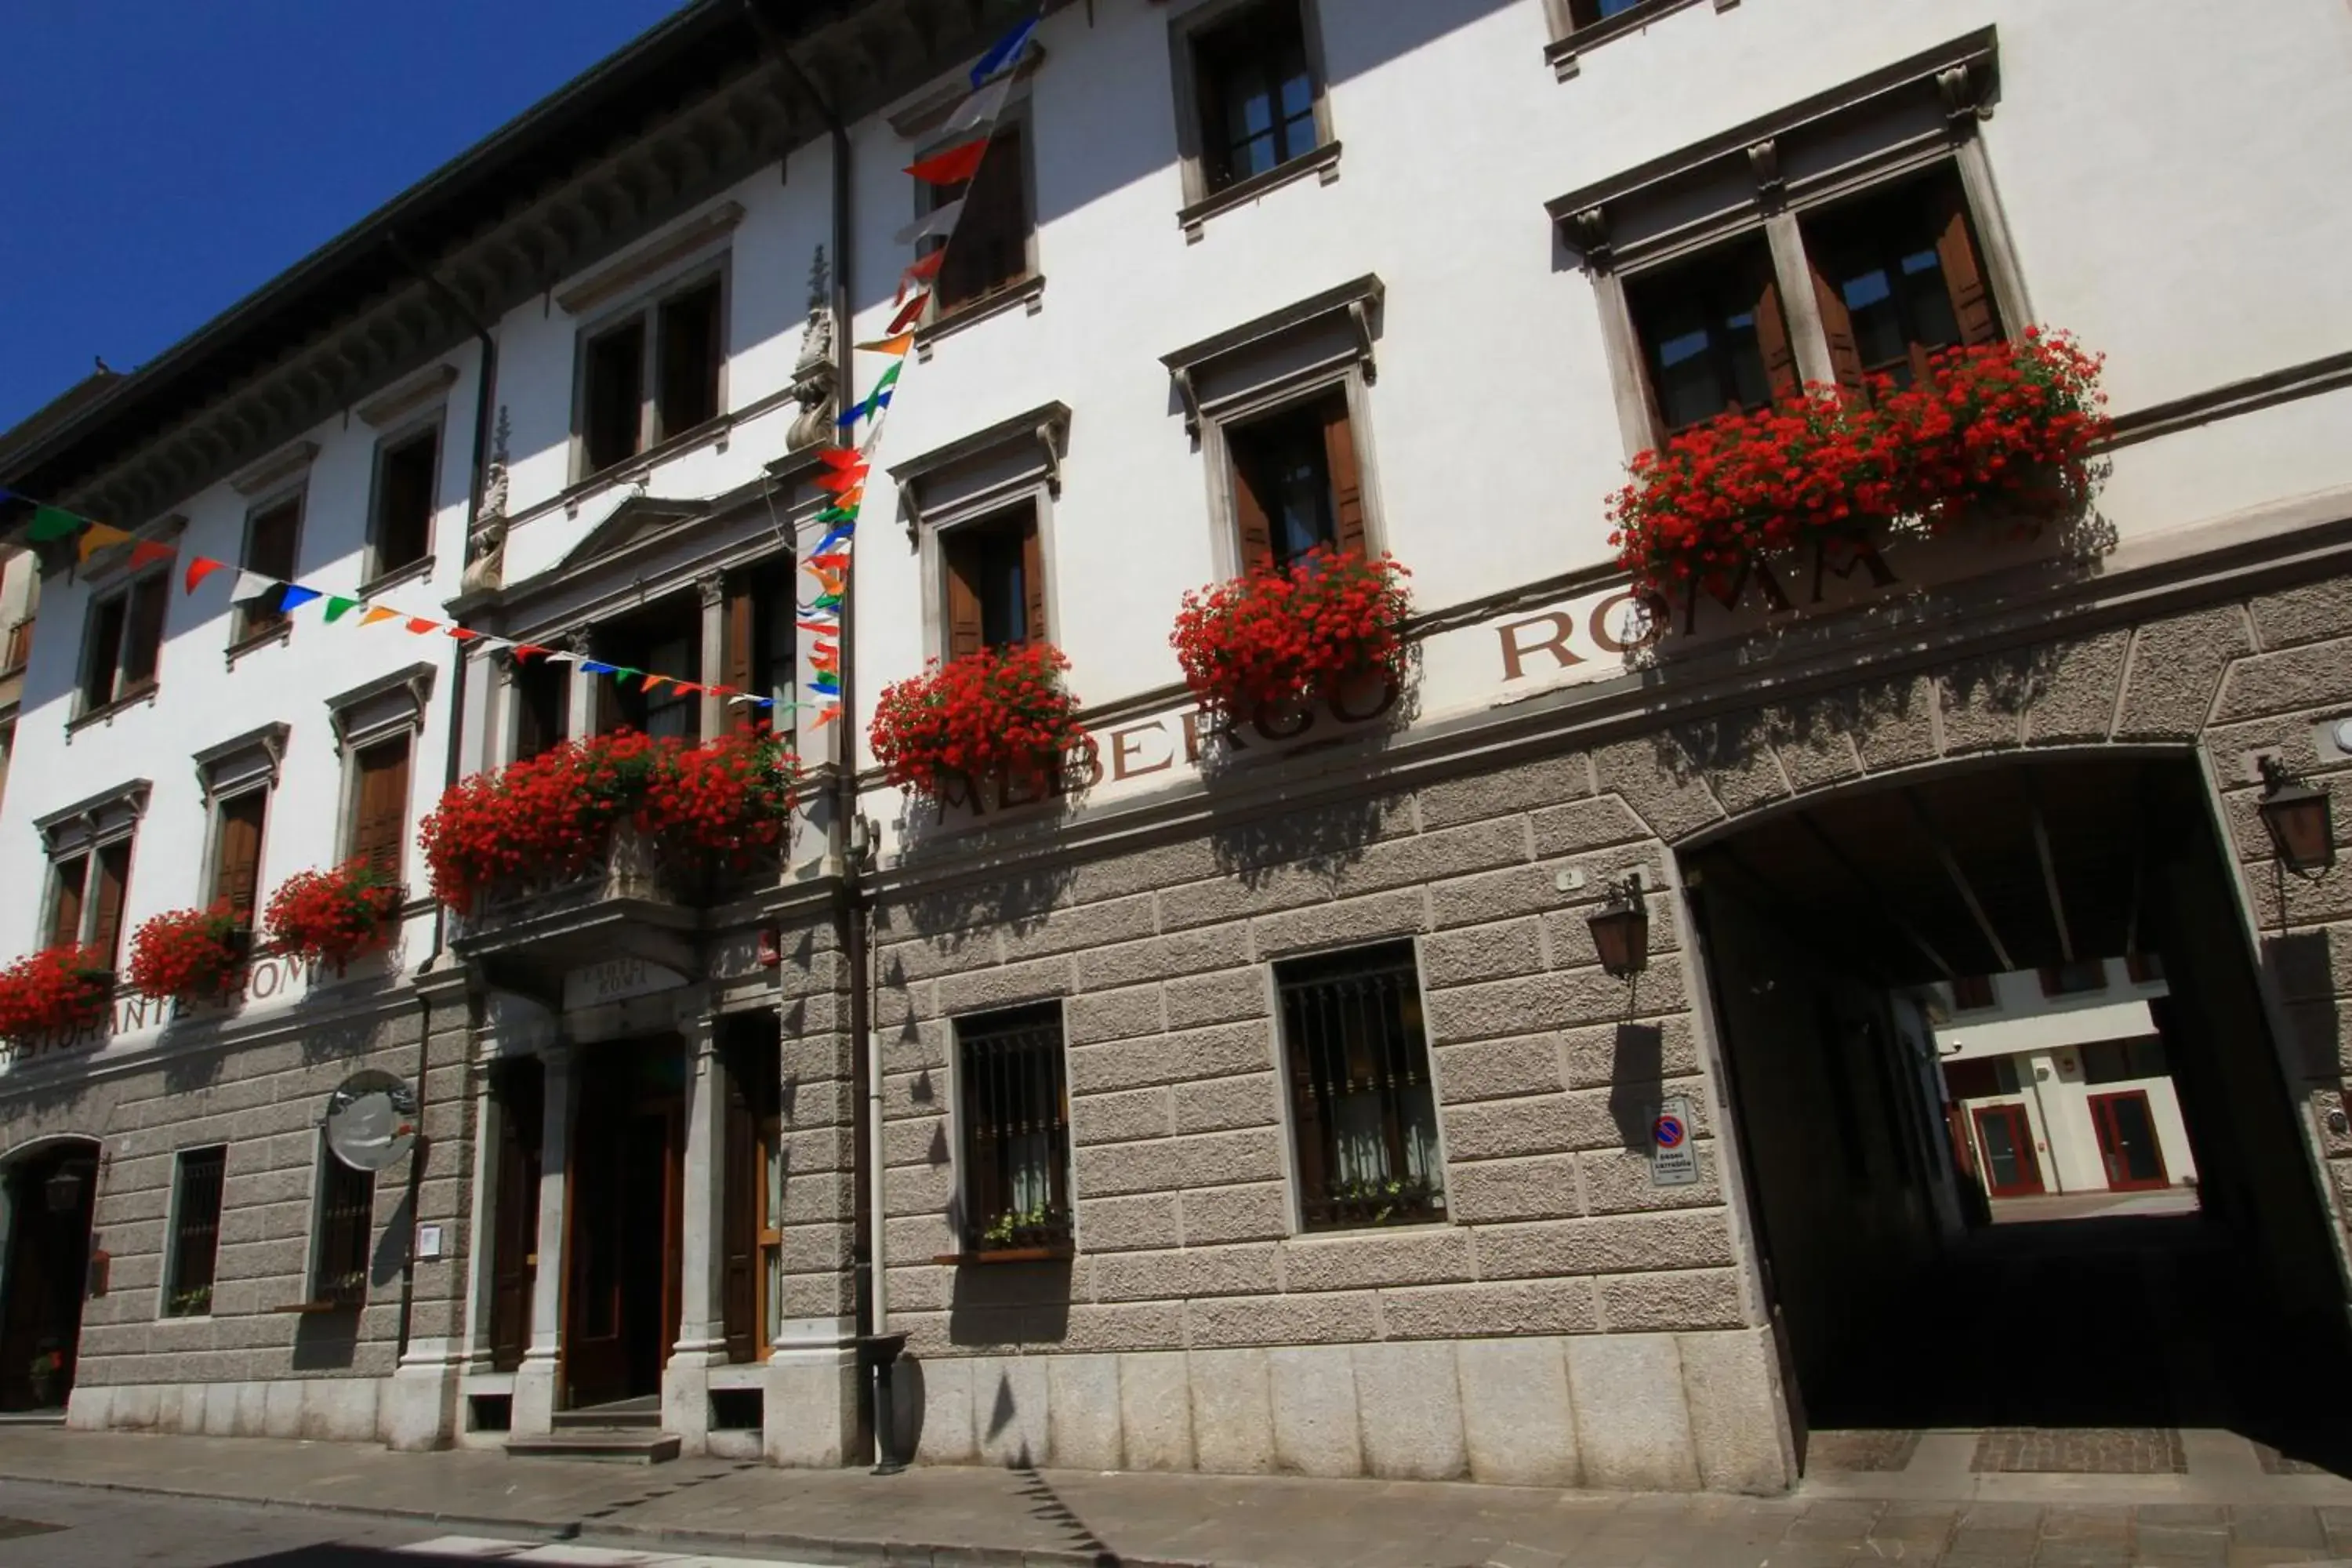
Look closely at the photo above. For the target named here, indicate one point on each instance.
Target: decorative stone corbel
(1764, 163)
(1962, 88)
(1588, 231)
(713, 588)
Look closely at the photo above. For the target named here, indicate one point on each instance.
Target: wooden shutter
(1837, 326)
(142, 636)
(1253, 523)
(1033, 580)
(236, 865)
(1956, 254)
(105, 655)
(1347, 477)
(65, 912)
(106, 918)
(739, 1221)
(514, 1236)
(1772, 334)
(379, 814)
(963, 594)
(739, 646)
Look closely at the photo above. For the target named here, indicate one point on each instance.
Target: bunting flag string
(847, 468)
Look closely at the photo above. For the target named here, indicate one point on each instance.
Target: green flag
(337, 604)
(52, 522)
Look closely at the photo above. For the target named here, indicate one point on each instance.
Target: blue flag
(1006, 50)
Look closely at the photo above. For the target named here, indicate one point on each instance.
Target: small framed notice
(1674, 1161)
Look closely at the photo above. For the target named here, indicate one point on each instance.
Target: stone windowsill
(1063, 1253)
(1028, 292)
(281, 632)
(316, 1309)
(416, 571)
(1562, 53)
(104, 714)
(1323, 162)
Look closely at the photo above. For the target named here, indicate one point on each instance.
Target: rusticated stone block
(1124, 1326)
(1731, 1386)
(1412, 1412)
(1112, 1015)
(2309, 612)
(1661, 783)
(1147, 870)
(1117, 1118)
(1345, 922)
(2175, 668)
(1734, 755)
(1491, 1069)
(1617, 1181)
(1219, 998)
(1082, 1412)
(1517, 1307)
(1498, 792)
(1314, 1416)
(1211, 1215)
(929, 957)
(1220, 1104)
(1314, 1319)
(1155, 1411)
(1671, 1239)
(1984, 700)
(1642, 1053)
(1226, 1051)
(1518, 1425)
(1539, 1124)
(1227, 899)
(1222, 1159)
(1109, 1169)
(1183, 1272)
(1008, 987)
(1680, 1299)
(1492, 1190)
(1377, 1258)
(2295, 680)
(1893, 722)
(1632, 1429)
(1087, 926)
(1425, 858)
(1583, 825)
(1482, 953)
(2077, 700)
(1167, 957)
(1233, 1412)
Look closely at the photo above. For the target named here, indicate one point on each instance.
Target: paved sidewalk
(942, 1515)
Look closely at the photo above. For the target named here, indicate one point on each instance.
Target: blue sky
(161, 159)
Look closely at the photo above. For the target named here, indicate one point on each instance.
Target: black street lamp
(2299, 819)
(1621, 929)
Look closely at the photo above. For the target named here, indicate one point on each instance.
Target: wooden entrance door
(2006, 1139)
(626, 1226)
(518, 1086)
(49, 1266)
(2127, 1141)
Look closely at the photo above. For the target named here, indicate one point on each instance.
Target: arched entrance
(47, 1195)
(2014, 1127)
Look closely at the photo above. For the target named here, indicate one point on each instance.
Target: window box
(185, 954)
(997, 715)
(1294, 634)
(58, 988)
(331, 917)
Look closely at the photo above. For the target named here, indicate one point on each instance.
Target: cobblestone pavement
(363, 1502)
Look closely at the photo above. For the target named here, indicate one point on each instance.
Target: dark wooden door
(518, 1086)
(49, 1263)
(2127, 1141)
(2005, 1138)
(625, 1232)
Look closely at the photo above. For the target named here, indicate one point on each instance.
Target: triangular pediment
(635, 520)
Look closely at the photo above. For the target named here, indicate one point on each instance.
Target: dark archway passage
(51, 1192)
(1966, 999)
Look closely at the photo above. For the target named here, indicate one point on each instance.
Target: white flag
(252, 585)
(981, 108)
(939, 220)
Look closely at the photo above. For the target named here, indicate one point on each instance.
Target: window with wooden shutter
(738, 653)
(142, 634)
(1297, 482)
(775, 629)
(196, 1232)
(989, 251)
(112, 870)
(237, 860)
(272, 539)
(1363, 1102)
(102, 660)
(1714, 337)
(518, 1085)
(1897, 278)
(1257, 92)
(995, 582)
(380, 804)
(689, 346)
(751, 1278)
(542, 692)
(346, 1219)
(66, 904)
(405, 475)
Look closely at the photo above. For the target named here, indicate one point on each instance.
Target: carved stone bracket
(1764, 163)
(1963, 90)
(1045, 428)
(1587, 232)
(712, 585)
(1353, 304)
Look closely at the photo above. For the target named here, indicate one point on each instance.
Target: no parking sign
(1674, 1161)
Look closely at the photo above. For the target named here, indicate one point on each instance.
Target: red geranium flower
(1282, 634)
(58, 988)
(333, 916)
(999, 711)
(186, 952)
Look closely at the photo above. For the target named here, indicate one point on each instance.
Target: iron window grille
(1017, 1131)
(346, 1216)
(195, 1234)
(1364, 1111)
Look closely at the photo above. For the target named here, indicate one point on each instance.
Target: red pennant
(840, 480)
(422, 626)
(462, 634)
(201, 567)
(529, 650)
(841, 456)
(832, 560)
(952, 167)
(687, 688)
(911, 312)
(922, 271)
(148, 550)
(720, 691)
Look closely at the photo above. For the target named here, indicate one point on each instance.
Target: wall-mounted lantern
(65, 1188)
(1621, 929)
(2299, 819)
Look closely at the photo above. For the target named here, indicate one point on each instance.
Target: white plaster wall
(18, 579)
(200, 701)
(2022, 1019)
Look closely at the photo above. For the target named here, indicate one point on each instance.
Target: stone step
(607, 1420)
(611, 1445)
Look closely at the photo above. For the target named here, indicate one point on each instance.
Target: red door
(2005, 1138)
(2128, 1144)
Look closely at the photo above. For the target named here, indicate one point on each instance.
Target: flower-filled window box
(1994, 427)
(56, 989)
(549, 819)
(1283, 634)
(185, 954)
(333, 916)
(1001, 714)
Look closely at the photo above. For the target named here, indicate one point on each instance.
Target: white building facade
(1052, 1089)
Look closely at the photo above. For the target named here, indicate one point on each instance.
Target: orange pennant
(375, 616)
(895, 347)
(151, 549)
(97, 536)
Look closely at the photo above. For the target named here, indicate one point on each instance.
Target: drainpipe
(484, 384)
(852, 904)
